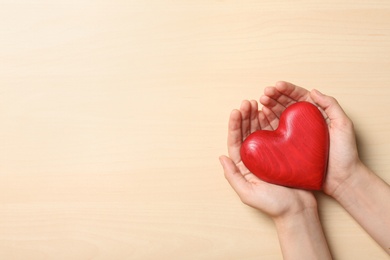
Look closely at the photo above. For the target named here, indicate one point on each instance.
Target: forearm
(301, 236)
(367, 199)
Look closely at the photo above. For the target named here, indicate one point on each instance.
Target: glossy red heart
(295, 154)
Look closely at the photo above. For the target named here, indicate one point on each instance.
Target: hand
(276, 201)
(343, 154)
(294, 211)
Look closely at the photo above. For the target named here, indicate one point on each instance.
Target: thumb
(329, 104)
(233, 176)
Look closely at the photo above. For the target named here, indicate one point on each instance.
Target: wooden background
(113, 115)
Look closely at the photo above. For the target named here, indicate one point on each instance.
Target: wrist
(358, 178)
(303, 202)
(301, 235)
(295, 219)
(365, 197)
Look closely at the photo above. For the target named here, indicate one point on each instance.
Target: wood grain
(295, 154)
(113, 115)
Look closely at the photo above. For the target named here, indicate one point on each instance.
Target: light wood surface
(113, 115)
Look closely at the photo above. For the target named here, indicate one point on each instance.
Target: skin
(362, 193)
(296, 216)
(343, 154)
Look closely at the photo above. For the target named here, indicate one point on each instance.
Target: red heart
(295, 154)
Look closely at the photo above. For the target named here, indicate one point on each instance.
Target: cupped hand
(276, 201)
(343, 154)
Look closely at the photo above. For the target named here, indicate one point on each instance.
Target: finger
(245, 110)
(234, 139)
(234, 177)
(264, 124)
(275, 94)
(254, 123)
(276, 107)
(271, 117)
(292, 91)
(330, 106)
